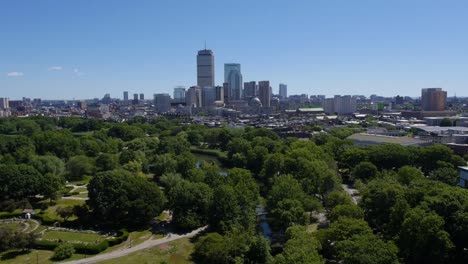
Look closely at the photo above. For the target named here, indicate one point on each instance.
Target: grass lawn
(85, 180)
(81, 189)
(312, 228)
(51, 210)
(72, 236)
(175, 252)
(81, 195)
(135, 238)
(34, 256)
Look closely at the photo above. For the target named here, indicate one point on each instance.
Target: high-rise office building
(205, 68)
(4, 103)
(264, 93)
(135, 99)
(219, 93)
(250, 90)
(341, 105)
(283, 90)
(162, 102)
(142, 97)
(233, 77)
(208, 96)
(125, 96)
(433, 99)
(193, 97)
(179, 94)
(226, 92)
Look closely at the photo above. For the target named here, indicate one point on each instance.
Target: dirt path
(127, 251)
(352, 192)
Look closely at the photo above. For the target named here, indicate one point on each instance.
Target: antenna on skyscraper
(205, 44)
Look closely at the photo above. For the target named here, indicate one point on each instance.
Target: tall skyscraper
(179, 94)
(264, 92)
(250, 90)
(142, 97)
(205, 68)
(125, 96)
(162, 102)
(433, 99)
(233, 77)
(283, 90)
(226, 92)
(135, 99)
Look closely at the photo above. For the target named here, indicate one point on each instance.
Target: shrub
(63, 251)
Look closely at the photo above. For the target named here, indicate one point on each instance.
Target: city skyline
(56, 50)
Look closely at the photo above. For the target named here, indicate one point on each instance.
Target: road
(126, 251)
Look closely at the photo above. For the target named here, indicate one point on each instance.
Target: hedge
(85, 248)
(123, 236)
(80, 248)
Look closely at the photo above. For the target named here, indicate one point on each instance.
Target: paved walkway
(126, 251)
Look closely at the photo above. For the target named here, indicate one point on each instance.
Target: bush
(63, 251)
(123, 236)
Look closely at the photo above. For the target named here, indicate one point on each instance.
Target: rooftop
(372, 139)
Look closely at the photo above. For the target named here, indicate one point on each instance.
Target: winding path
(126, 251)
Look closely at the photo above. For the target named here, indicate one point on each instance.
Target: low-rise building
(463, 177)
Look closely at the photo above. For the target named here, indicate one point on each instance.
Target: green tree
(346, 210)
(48, 164)
(121, 196)
(63, 251)
(364, 171)
(366, 249)
(78, 167)
(106, 161)
(446, 122)
(423, 239)
(408, 174)
(300, 247)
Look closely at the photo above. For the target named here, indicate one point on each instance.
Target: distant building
(205, 68)
(142, 97)
(125, 96)
(340, 104)
(463, 177)
(433, 99)
(226, 92)
(233, 77)
(219, 93)
(193, 97)
(208, 96)
(4, 103)
(283, 90)
(264, 92)
(250, 90)
(135, 99)
(179, 94)
(162, 102)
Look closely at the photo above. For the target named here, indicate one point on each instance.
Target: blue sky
(84, 49)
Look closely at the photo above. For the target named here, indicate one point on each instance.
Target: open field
(176, 252)
(72, 236)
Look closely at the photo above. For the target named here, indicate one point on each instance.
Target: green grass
(34, 256)
(81, 189)
(72, 236)
(175, 252)
(51, 210)
(85, 180)
(81, 195)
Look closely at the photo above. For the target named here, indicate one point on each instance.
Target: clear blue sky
(84, 49)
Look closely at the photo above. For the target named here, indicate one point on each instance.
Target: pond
(263, 223)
